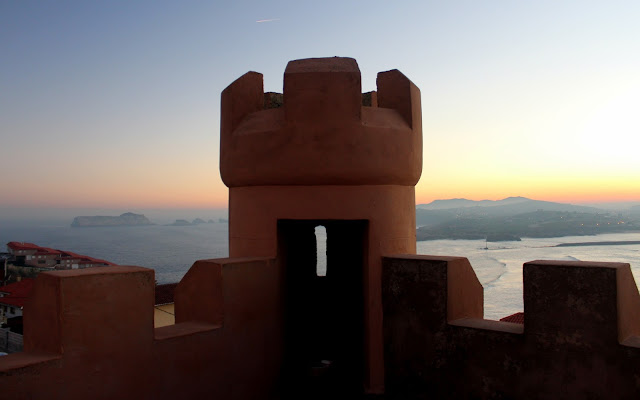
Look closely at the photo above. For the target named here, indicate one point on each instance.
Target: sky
(115, 104)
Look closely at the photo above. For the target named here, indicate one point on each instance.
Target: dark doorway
(324, 310)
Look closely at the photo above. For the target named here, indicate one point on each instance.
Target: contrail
(268, 20)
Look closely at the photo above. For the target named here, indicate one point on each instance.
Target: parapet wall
(579, 339)
(322, 134)
(89, 335)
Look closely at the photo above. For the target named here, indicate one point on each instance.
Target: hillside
(516, 217)
(530, 224)
(464, 203)
(440, 211)
(510, 205)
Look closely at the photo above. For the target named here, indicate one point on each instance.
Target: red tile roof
(85, 259)
(13, 301)
(91, 260)
(18, 292)
(73, 256)
(61, 254)
(22, 246)
(517, 318)
(47, 251)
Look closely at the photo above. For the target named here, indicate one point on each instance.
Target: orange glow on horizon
(164, 196)
(562, 189)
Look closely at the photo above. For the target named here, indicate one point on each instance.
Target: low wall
(579, 339)
(89, 334)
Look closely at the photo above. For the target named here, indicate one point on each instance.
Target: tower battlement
(322, 134)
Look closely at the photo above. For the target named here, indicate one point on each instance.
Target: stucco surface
(102, 343)
(325, 156)
(254, 212)
(568, 348)
(322, 135)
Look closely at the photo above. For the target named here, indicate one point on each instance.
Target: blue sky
(116, 104)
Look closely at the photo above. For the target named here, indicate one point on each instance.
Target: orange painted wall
(89, 335)
(324, 156)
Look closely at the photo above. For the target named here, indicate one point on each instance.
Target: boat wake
(492, 275)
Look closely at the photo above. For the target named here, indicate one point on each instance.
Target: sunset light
(122, 109)
(313, 200)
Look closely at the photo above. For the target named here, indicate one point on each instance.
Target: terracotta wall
(322, 135)
(390, 213)
(86, 340)
(579, 339)
(320, 154)
(89, 335)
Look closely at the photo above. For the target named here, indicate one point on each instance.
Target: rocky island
(184, 222)
(126, 219)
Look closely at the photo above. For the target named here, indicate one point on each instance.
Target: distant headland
(513, 218)
(126, 219)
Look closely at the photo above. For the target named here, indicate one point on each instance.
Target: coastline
(603, 243)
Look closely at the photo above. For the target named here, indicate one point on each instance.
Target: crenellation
(321, 90)
(397, 92)
(571, 303)
(47, 286)
(202, 277)
(241, 98)
(94, 327)
(569, 342)
(322, 130)
(628, 304)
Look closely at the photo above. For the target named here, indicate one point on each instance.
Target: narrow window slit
(321, 250)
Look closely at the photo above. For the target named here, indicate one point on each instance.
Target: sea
(171, 250)
(499, 267)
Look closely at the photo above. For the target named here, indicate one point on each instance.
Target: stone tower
(317, 156)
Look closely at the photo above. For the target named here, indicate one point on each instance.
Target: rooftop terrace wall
(580, 338)
(89, 335)
(579, 341)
